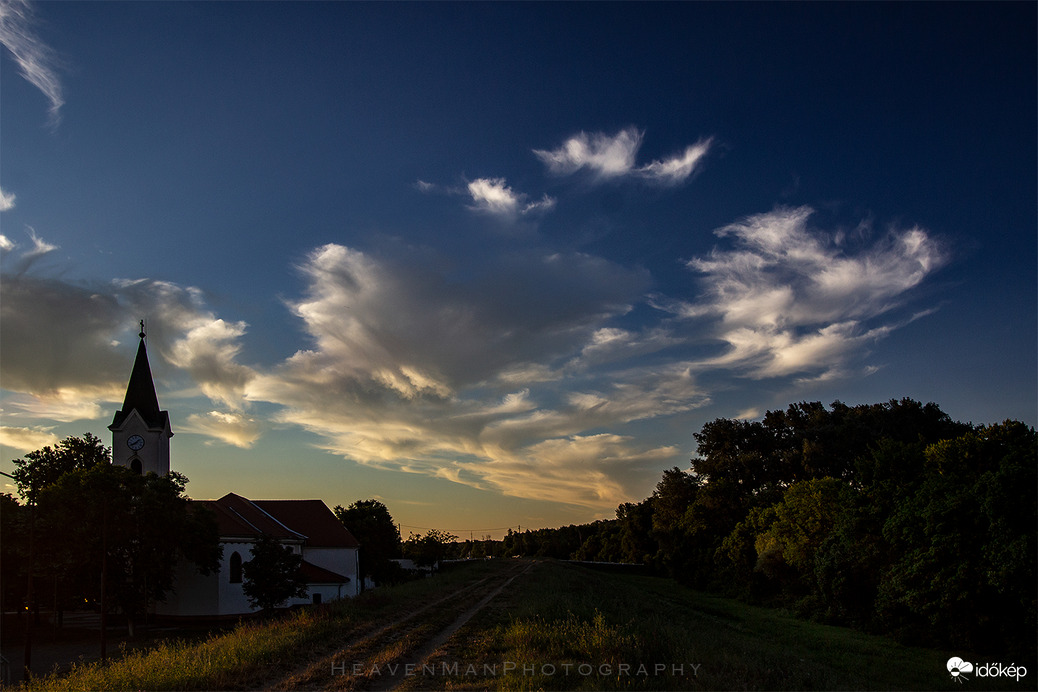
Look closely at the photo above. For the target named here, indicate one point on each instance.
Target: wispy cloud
(40, 246)
(522, 380)
(494, 196)
(604, 155)
(26, 439)
(24, 260)
(6, 201)
(614, 156)
(676, 169)
(35, 59)
(230, 428)
(791, 300)
(407, 372)
(208, 350)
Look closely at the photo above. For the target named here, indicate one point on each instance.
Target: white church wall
(327, 593)
(232, 600)
(339, 560)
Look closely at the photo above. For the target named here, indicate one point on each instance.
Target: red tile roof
(313, 574)
(313, 519)
(306, 521)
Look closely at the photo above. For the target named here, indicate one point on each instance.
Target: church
(141, 434)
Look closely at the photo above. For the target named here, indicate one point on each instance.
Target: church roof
(312, 518)
(309, 521)
(140, 394)
(315, 574)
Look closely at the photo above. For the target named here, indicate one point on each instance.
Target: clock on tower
(140, 430)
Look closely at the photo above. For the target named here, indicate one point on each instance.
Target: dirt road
(387, 656)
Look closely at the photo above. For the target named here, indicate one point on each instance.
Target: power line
(430, 528)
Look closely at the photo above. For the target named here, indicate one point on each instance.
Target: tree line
(891, 518)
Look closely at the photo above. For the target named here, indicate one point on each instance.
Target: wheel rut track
(391, 647)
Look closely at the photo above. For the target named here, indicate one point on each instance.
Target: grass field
(558, 626)
(568, 627)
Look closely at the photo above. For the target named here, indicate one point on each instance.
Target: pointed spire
(140, 392)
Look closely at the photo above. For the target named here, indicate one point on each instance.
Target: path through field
(384, 657)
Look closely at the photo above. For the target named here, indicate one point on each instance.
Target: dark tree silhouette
(371, 524)
(271, 577)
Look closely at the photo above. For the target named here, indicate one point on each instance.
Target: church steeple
(140, 392)
(140, 430)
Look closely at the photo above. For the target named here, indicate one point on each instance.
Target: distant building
(140, 441)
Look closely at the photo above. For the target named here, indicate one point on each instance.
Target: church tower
(140, 431)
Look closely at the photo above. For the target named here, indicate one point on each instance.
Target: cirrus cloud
(494, 196)
(790, 300)
(614, 156)
(35, 59)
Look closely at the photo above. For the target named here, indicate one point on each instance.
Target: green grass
(254, 651)
(567, 627)
(558, 627)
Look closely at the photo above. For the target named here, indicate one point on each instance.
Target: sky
(495, 264)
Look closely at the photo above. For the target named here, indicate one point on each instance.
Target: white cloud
(27, 439)
(678, 168)
(493, 196)
(604, 155)
(519, 380)
(35, 59)
(6, 201)
(40, 246)
(614, 156)
(65, 404)
(230, 428)
(406, 371)
(208, 350)
(791, 300)
(6, 244)
(748, 414)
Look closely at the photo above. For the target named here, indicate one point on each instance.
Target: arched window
(235, 568)
(136, 467)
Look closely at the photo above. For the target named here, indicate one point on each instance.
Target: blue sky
(494, 264)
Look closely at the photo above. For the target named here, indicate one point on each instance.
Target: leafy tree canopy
(272, 577)
(371, 524)
(44, 467)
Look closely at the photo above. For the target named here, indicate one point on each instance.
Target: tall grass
(254, 651)
(569, 628)
(559, 627)
(219, 662)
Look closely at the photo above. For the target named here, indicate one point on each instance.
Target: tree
(14, 549)
(965, 572)
(133, 529)
(790, 531)
(44, 467)
(635, 522)
(272, 577)
(371, 524)
(428, 550)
